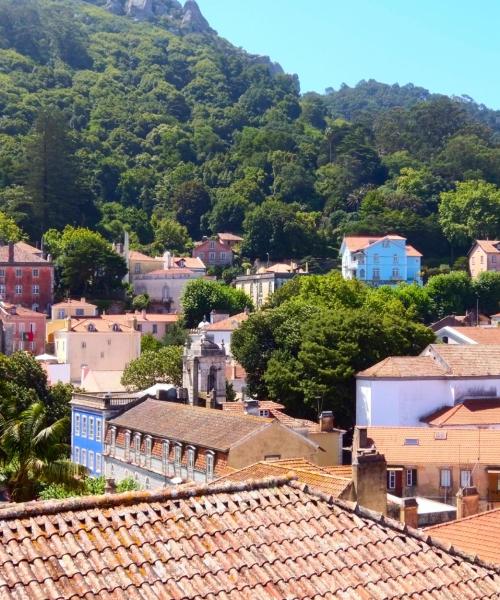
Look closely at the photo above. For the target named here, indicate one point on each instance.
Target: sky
(447, 46)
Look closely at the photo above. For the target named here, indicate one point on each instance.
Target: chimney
(252, 407)
(326, 421)
(84, 372)
(82, 300)
(68, 323)
(408, 513)
(467, 502)
(213, 315)
(359, 440)
(110, 486)
(11, 252)
(143, 313)
(167, 260)
(369, 475)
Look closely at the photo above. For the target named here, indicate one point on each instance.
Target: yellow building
(96, 343)
(73, 308)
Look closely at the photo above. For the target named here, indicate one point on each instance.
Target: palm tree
(32, 452)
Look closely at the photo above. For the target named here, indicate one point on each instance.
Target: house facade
(21, 329)
(401, 391)
(146, 323)
(96, 343)
(484, 256)
(162, 443)
(262, 284)
(73, 308)
(489, 335)
(387, 260)
(141, 264)
(26, 277)
(213, 252)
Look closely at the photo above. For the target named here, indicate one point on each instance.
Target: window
(91, 428)
(98, 462)
(272, 456)
(139, 328)
(91, 327)
(201, 255)
(84, 426)
(212, 245)
(21, 327)
(137, 446)
(148, 484)
(155, 328)
(35, 289)
(2, 290)
(210, 466)
(61, 313)
(19, 289)
(76, 455)
(375, 258)
(376, 273)
(84, 457)
(395, 259)
(19, 272)
(395, 273)
(465, 478)
(137, 268)
(98, 430)
(35, 273)
(494, 259)
(411, 442)
(223, 256)
(445, 478)
(116, 327)
(77, 424)
(79, 312)
(84, 344)
(164, 457)
(385, 244)
(361, 273)
(91, 460)
(391, 480)
(263, 412)
(411, 477)
(177, 457)
(33, 327)
(113, 441)
(190, 462)
(149, 446)
(2, 272)
(211, 256)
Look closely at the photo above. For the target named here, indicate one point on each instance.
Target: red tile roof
(229, 324)
(128, 318)
(480, 335)
(428, 445)
(74, 302)
(81, 324)
(23, 253)
(478, 411)
(239, 407)
(271, 539)
(359, 242)
(229, 237)
(477, 535)
(489, 246)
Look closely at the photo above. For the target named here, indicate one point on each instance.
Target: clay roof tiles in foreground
(421, 445)
(204, 427)
(263, 540)
(477, 535)
(441, 360)
(306, 472)
(477, 411)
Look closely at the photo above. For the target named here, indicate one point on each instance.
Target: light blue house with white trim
(376, 260)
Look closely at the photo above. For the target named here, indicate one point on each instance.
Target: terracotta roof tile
(229, 237)
(127, 318)
(23, 253)
(205, 427)
(478, 411)
(239, 407)
(489, 246)
(74, 302)
(429, 445)
(478, 535)
(480, 335)
(405, 366)
(99, 323)
(229, 324)
(359, 242)
(271, 539)
(335, 484)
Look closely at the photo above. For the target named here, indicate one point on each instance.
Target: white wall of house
(403, 402)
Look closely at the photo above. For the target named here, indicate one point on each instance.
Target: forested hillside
(109, 122)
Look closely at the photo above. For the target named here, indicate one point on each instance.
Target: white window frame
(91, 460)
(465, 478)
(409, 478)
(165, 453)
(35, 290)
(84, 457)
(98, 462)
(128, 435)
(76, 455)
(148, 449)
(35, 272)
(77, 424)
(19, 289)
(84, 426)
(445, 478)
(19, 272)
(113, 441)
(91, 428)
(98, 429)
(391, 480)
(137, 447)
(210, 462)
(177, 459)
(190, 461)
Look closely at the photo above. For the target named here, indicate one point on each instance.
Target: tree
(53, 178)
(149, 343)
(161, 366)
(32, 453)
(450, 293)
(85, 261)
(471, 211)
(486, 288)
(228, 212)
(201, 296)
(170, 235)
(141, 302)
(191, 201)
(9, 231)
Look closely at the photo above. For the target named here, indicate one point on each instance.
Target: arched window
(91, 327)
(116, 327)
(165, 293)
(212, 379)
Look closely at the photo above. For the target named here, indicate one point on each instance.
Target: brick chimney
(11, 252)
(369, 476)
(467, 502)
(408, 513)
(326, 421)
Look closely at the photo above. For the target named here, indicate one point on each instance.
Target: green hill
(151, 121)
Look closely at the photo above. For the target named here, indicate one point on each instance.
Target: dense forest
(113, 123)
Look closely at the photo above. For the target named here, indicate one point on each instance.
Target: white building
(469, 335)
(402, 390)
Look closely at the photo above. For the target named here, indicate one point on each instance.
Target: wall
(274, 440)
(331, 442)
(88, 440)
(159, 286)
(61, 312)
(405, 401)
(103, 351)
(212, 252)
(45, 281)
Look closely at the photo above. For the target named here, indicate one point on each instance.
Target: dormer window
(190, 462)
(177, 458)
(165, 453)
(210, 459)
(91, 327)
(116, 327)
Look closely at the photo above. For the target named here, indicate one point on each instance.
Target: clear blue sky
(447, 46)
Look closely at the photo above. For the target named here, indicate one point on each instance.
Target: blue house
(386, 260)
(89, 413)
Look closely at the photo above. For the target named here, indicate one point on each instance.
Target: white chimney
(167, 260)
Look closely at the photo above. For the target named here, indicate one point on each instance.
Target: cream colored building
(484, 256)
(73, 308)
(99, 344)
(262, 284)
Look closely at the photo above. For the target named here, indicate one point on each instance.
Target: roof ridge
(50, 507)
(461, 520)
(393, 524)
